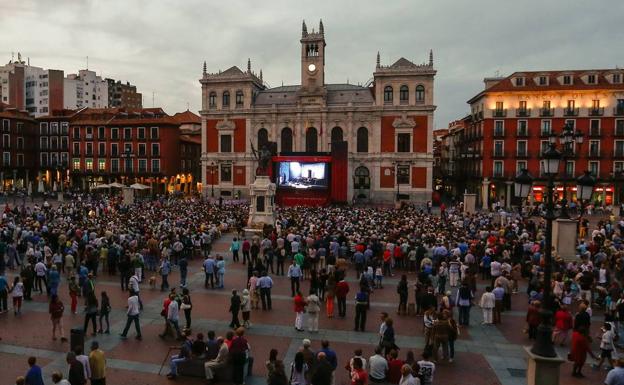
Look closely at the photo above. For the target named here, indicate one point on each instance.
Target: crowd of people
(439, 263)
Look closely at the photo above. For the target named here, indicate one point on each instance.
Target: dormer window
(617, 78)
(591, 79)
(567, 80)
(543, 81)
(519, 82)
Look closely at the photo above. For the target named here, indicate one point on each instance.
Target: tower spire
(378, 60)
(431, 57)
(249, 65)
(321, 29)
(205, 68)
(304, 30)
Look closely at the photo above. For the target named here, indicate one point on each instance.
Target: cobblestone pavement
(485, 355)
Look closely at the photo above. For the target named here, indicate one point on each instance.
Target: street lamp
(543, 345)
(585, 188)
(568, 140)
(522, 186)
(212, 178)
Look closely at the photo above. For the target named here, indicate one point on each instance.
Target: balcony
(619, 131)
(544, 112)
(499, 133)
(522, 133)
(545, 133)
(570, 111)
(598, 111)
(595, 155)
(594, 132)
(618, 154)
(498, 154)
(618, 111)
(523, 113)
(522, 154)
(499, 113)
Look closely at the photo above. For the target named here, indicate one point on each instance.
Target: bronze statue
(263, 156)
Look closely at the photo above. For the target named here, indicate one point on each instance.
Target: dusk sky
(160, 46)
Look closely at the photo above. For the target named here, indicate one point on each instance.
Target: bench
(195, 368)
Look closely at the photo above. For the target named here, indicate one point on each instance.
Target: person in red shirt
(579, 350)
(299, 308)
(163, 313)
(387, 263)
(533, 318)
(358, 374)
(394, 367)
(563, 324)
(342, 289)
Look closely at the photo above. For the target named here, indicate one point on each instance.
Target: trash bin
(76, 339)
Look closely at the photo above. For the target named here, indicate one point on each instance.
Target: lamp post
(212, 178)
(584, 189)
(568, 140)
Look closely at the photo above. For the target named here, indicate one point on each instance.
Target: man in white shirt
(40, 273)
(378, 366)
(133, 316)
(133, 286)
(426, 369)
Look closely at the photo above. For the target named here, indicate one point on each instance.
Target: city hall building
(331, 143)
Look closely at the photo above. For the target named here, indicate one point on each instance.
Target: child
(487, 305)
(378, 277)
(606, 346)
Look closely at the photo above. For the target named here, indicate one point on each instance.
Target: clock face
(311, 67)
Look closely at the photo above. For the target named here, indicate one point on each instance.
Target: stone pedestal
(128, 195)
(470, 202)
(542, 370)
(564, 238)
(485, 186)
(262, 205)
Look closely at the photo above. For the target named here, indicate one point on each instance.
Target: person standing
(186, 306)
(91, 310)
(580, 347)
(164, 269)
(342, 289)
(220, 268)
(563, 325)
(40, 273)
(378, 366)
(183, 265)
(54, 280)
(74, 291)
(97, 362)
(361, 306)
(426, 369)
(76, 374)
(235, 305)
(265, 283)
(56, 310)
(246, 309)
(299, 304)
(499, 296)
(17, 294)
(464, 301)
(294, 273)
(299, 370)
(133, 316)
(209, 271)
(402, 290)
(238, 356)
(313, 308)
(487, 305)
(246, 248)
(234, 247)
(105, 309)
(34, 376)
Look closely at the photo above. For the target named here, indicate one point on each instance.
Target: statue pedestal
(470, 203)
(542, 370)
(262, 205)
(564, 238)
(128, 195)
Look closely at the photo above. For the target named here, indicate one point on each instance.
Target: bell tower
(312, 60)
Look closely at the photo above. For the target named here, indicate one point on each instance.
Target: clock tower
(312, 61)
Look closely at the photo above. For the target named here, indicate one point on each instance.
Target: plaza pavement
(486, 355)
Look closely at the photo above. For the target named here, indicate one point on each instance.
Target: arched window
(404, 94)
(420, 93)
(336, 135)
(263, 138)
(362, 178)
(212, 99)
(388, 94)
(362, 139)
(239, 98)
(226, 99)
(311, 140)
(286, 139)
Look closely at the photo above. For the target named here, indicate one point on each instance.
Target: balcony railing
(599, 111)
(594, 132)
(498, 154)
(594, 154)
(499, 133)
(523, 113)
(522, 154)
(618, 111)
(499, 113)
(570, 111)
(522, 133)
(547, 111)
(618, 154)
(619, 131)
(545, 133)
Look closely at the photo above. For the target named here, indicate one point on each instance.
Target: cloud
(160, 45)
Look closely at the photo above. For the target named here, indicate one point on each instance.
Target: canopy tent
(139, 186)
(99, 186)
(116, 185)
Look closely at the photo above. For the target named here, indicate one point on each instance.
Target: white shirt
(378, 366)
(427, 368)
(40, 269)
(133, 305)
(134, 283)
(173, 312)
(409, 380)
(84, 360)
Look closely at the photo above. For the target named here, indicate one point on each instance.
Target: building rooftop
(187, 117)
(336, 94)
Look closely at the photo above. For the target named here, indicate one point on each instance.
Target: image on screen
(302, 175)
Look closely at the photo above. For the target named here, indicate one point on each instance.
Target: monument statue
(263, 156)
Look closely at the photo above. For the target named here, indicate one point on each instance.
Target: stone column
(204, 147)
(508, 194)
(470, 201)
(485, 185)
(542, 370)
(564, 237)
